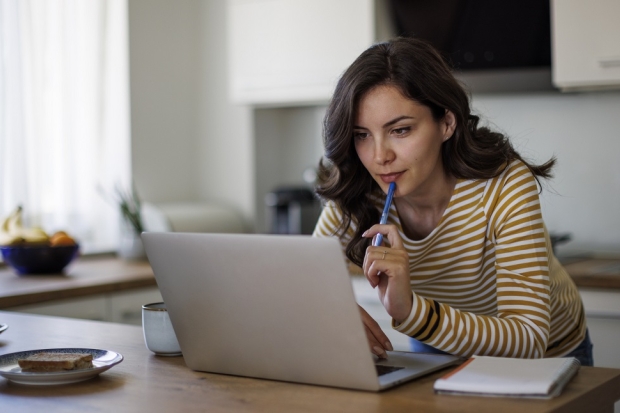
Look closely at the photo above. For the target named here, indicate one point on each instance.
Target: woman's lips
(387, 178)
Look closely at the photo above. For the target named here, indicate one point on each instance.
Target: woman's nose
(383, 153)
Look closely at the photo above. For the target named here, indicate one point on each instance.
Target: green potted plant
(129, 204)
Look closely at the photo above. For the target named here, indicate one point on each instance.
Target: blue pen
(384, 216)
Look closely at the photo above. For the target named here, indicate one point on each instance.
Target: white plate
(102, 360)
(3, 327)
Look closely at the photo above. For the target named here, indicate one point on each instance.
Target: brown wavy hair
(421, 74)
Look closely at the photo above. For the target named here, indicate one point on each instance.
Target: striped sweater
(485, 280)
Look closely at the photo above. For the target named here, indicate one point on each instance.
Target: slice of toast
(56, 361)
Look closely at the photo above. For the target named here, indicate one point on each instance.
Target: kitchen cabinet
(120, 307)
(85, 308)
(602, 308)
(102, 288)
(125, 307)
(586, 44)
(278, 60)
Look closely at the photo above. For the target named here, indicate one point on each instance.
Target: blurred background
(213, 105)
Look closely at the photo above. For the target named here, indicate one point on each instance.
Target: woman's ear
(449, 125)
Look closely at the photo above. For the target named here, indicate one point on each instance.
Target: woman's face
(398, 140)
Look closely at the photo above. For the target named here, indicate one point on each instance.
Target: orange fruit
(61, 238)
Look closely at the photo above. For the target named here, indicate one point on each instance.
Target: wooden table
(147, 383)
(86, 276)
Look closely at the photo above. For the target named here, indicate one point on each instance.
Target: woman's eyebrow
(388, 124)
(396, 120)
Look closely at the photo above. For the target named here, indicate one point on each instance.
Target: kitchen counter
(96, 275)
(600, 273)
(595, 273)
(86, 276)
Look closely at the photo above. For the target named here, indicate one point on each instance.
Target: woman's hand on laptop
(378, 341)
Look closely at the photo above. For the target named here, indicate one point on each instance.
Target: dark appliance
(480, 34)
(291, 210)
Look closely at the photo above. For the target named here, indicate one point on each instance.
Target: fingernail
(378, 351)
(364, 234)
(388, 345)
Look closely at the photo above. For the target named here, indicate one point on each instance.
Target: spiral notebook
(509, 377)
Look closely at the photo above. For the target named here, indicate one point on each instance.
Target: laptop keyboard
(381, 370)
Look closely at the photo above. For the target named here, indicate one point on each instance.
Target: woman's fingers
(389, 232)
(383, 261)
(377, 340)
(376, 261)
(388, 268)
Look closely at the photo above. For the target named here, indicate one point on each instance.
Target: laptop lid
(265, 306)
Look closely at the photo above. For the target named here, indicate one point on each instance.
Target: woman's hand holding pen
(388, 269)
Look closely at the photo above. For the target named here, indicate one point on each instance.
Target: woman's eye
(401, 131)
(360, 135)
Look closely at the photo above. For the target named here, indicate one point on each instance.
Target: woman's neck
(420, 214)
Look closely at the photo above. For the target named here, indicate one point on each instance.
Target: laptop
(278, 307)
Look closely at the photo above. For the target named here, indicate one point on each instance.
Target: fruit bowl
(41, 259)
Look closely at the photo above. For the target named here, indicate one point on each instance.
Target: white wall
(190, 143)
(226, 151)
(164, 52)
(583, 131)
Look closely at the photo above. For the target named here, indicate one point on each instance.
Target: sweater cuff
(416, 318)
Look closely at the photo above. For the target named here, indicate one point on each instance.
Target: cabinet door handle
(612, 61)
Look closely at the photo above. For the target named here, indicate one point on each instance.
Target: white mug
(159, 335)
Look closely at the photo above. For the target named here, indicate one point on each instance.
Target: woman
(467, 266)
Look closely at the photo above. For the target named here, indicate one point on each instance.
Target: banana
(15, 223)
(6, 235)
(34, 235)
(8, 240)
(6, 222)
(12, 231)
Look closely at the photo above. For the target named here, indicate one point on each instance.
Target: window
(64, 114)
